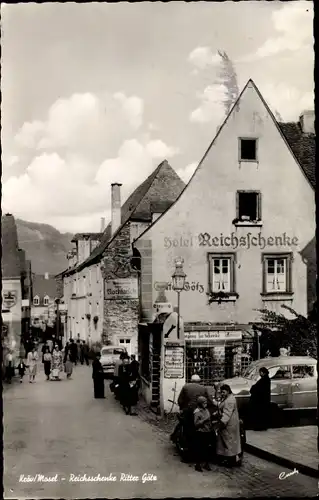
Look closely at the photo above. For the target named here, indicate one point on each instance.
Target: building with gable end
(240, 226)
(100, 288)
(43, 312)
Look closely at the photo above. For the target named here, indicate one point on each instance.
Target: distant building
(43, 310)
(101, 285)
(16, 287)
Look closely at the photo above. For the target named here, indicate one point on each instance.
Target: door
(303, 393)
(280, 377)
(126, 342)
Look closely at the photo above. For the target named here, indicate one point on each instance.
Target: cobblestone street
(58, 428)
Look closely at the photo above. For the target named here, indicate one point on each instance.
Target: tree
(299, 334)
(228, 76)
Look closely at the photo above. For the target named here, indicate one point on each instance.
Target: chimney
(116, 206)
(307, 122)
(102, 224)
(46, 276)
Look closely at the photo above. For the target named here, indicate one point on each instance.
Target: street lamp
(178, 278)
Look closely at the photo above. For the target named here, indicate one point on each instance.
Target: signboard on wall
(9, 299)
(173, 361)
(214, 335)
(121, 288)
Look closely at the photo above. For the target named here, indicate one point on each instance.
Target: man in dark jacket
(73, 351)
(84, 353)
(98, 377)
(260, 397)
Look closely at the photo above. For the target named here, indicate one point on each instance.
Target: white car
(110, 354)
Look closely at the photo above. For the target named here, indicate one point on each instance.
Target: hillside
(44, 245)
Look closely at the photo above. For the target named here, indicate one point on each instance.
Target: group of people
(211, 418)
(125, 384)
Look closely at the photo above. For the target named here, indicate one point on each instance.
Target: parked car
(109, 354)
(293, 382)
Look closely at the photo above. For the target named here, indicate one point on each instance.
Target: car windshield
(107, 352)
(251, 372)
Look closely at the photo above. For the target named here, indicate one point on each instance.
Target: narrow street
(58, 428)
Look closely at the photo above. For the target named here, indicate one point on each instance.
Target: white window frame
(46, 300)
(277, 282)
(226, 283)
(36, 300)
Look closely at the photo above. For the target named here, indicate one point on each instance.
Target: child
(203, 429)
(21, 369)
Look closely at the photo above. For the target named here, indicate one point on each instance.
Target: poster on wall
(174, 361)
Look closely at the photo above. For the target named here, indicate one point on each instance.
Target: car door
(280, 377)
(303, 392)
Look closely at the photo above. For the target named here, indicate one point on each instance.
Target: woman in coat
(57, 365)
(68, 365)
(32, 360)
(228, 446)
(126, 391)
(260, 396)
(47, 360)
(98, 377)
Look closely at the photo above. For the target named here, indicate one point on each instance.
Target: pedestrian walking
(85, 353)
(259, 405)
(9, 371)
(202, 436)
(44, 349)
(57, 365)
(66, 351)
(47, 362)
(228, 443)
(32, 360)
(73, 351)
(68, 366)
(78, 352)
(50, 344)
(98, 377)
(21, 369)
(127, 390)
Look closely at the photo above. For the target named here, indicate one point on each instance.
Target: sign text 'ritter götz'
(124, 288)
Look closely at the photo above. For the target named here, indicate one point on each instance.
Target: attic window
(248, 149)
(36, 301)
(46, 300)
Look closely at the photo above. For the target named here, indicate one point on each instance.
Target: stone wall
(120, 316)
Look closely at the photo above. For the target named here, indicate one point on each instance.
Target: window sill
(225, 297)
(277, 296)
(247, 223)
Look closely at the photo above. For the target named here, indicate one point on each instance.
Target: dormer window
(247, 149)
(46, 300)
(36, 300)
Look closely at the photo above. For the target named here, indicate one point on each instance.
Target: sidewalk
(293, 447)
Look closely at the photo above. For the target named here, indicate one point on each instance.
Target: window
(277, 273)
(36, 301)
(221, 273)
(248, 149)
(303, 371)
(248, 206)
(280, 373)
(46, 300)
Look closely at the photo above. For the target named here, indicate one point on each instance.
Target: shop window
(248, 149)
(221, 273)
(248, 206)
(277, 273)
(36, 301)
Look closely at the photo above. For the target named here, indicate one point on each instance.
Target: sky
(100, 93)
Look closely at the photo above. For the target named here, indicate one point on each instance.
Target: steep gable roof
(303, 146)
(138, 205)
(43, 287)
(304, 152)
(10, 262)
